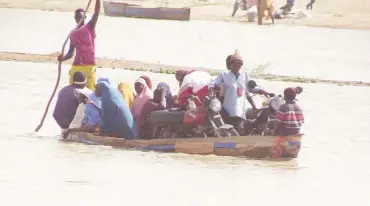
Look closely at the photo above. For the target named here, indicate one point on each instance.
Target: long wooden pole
(60, 68)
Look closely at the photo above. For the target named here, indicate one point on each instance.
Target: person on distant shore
(265, 5)
(68, 102)
(289, 118)
(83, 41)
(117, 120)
(310, 5)
(288, 6)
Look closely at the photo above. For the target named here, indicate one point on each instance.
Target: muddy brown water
(37, 169)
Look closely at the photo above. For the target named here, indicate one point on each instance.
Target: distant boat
(244, 146)
(136, 11)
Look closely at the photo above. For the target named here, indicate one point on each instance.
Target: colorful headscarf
(127, 93)
(147, 80)
(103, 79)
(180, 74)
(117, 119)
(169, 100)
(141, 98)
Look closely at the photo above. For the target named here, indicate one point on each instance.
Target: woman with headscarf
(93, 97)
(117, 120)
(157, 103)
(168, 95)
(192, 83)
(147, 80)
(127, 93)
(289, 118)
(143, 94)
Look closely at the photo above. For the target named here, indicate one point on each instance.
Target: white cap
(85, 91)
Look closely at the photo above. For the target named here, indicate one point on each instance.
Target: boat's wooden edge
(242, 140)
(246, 146)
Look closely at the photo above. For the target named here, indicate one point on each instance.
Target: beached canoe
(136, 11)
(246, 146)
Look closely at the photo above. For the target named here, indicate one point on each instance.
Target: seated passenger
(92, 118)
(236, 93)
(104, 79)
(289, 118)
(170, 103)
(127, 93)
(192, 82)
(148, 81)
(157, 103)
(68, 102)
(143, 94)
(76, 123)
(117, 120)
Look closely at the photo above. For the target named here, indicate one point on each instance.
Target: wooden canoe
(246, 146)
(136, 11)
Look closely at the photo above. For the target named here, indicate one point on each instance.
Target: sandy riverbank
(259, 72)
(347, 14)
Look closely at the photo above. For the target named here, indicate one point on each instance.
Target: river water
(37, 169)
(286, 50)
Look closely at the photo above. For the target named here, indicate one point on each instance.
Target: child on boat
(289, 118)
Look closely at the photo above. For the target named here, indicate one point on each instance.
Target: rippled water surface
(37, 169)
(294, 51)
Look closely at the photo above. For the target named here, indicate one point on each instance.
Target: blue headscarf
(103, 79)
(93, 97)
(169, 100)
(117, 119)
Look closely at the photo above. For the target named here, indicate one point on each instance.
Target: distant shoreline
(346, 14)
(258, 73)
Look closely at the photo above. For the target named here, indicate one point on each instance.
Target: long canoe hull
(136, 11)
(246, 146)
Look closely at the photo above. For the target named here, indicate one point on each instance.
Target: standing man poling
(83, 41)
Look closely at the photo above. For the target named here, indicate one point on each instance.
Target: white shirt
(197, 80)
(234, 104)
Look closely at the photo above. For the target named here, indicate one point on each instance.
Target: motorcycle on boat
(204, 121)
(261, 122)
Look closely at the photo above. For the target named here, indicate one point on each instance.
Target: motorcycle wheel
(236, 7)
(229, 133)
(158, 132)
